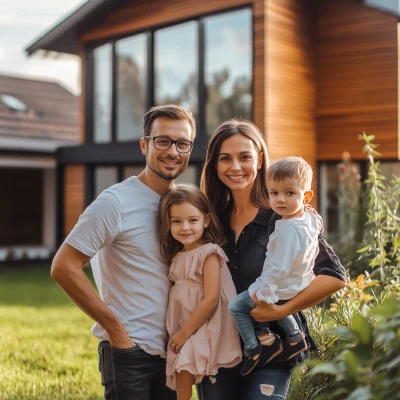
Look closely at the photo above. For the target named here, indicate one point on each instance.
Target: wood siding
(357, 79)
(74, 195)
(141, 14)
(291, 91)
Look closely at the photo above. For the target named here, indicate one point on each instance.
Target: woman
(237, 152)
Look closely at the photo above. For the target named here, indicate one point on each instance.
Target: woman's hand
(268, 312)
(177, 341)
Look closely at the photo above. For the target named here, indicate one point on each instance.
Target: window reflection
(176, 72)
(133, 171)
(340, 189)
(188, 176)
(388, 169)
(102, 58)
(131, 56)
(228, 67)
(104, 177)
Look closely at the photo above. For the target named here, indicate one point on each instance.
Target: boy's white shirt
(119, 230)
(289, 263)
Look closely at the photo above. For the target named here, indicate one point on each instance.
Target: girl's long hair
(219, 194)
(181, 194)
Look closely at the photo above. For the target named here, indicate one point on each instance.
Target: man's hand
(121, 340)
(268, 312)
(177, 341)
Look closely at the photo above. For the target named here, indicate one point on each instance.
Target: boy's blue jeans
(240, 307)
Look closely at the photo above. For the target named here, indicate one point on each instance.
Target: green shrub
(358, 334)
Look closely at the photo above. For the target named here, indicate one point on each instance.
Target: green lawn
(46, 349)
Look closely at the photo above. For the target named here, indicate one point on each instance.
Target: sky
(23, 21)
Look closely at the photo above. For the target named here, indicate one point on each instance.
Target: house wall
(290, 80)
(357, 78)
(74, 195)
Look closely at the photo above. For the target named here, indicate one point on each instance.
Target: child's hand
(177, 341)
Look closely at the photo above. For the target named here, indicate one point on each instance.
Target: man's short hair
(171, 111)
(293, 168)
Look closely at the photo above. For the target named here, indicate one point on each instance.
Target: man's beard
(172, 175)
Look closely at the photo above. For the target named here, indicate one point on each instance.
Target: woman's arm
(330, 277)
(319, 289)
(206, 307)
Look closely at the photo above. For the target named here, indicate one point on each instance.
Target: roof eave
(64, 36)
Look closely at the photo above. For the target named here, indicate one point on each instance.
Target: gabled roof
(50, 118)
(64, 36)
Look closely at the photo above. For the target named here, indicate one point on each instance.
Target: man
(120, 226)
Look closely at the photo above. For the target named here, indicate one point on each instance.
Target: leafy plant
(358, 334)
(382, 241)
(367, 365)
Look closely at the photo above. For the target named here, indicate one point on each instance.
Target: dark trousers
(132, 374)
(261, 384)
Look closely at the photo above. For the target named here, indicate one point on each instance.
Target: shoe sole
(279, 351)
(255, 365)
(298, 352)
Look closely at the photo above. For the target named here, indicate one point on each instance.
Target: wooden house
(312, 75)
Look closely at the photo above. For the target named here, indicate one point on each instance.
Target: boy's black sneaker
(249, 363)
(269, 352)
(291, 351)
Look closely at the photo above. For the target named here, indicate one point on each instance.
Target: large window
(204, 65)
(176, 66)
(104, 177)
(340, 198)
(228, 67)
(102, 108)
(131, 54)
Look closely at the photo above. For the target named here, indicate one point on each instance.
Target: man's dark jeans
(132, 374)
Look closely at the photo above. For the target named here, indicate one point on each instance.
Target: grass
(46, 349)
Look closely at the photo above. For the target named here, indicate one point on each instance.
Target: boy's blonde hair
(293, 168)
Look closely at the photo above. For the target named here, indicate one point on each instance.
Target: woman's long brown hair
(220, 195)
(193, 195)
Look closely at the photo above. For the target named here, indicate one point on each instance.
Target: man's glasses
(163, 143)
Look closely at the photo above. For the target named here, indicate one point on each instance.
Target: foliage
(367, 365)
(359, 333)
(325, 323)
(382, 240)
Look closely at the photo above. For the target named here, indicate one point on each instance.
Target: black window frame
(150, 92)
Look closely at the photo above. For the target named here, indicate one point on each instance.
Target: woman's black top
(246, 261)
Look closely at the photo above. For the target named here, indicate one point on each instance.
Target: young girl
(203, 335)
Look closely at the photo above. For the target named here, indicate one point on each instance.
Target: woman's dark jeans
(132, 374)
(261, 384)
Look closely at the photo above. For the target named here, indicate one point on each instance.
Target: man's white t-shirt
(119, 229)
(289, 263)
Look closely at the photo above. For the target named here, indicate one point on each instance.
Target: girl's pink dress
(216, 344)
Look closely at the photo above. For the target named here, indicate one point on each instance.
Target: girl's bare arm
(207, 306)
